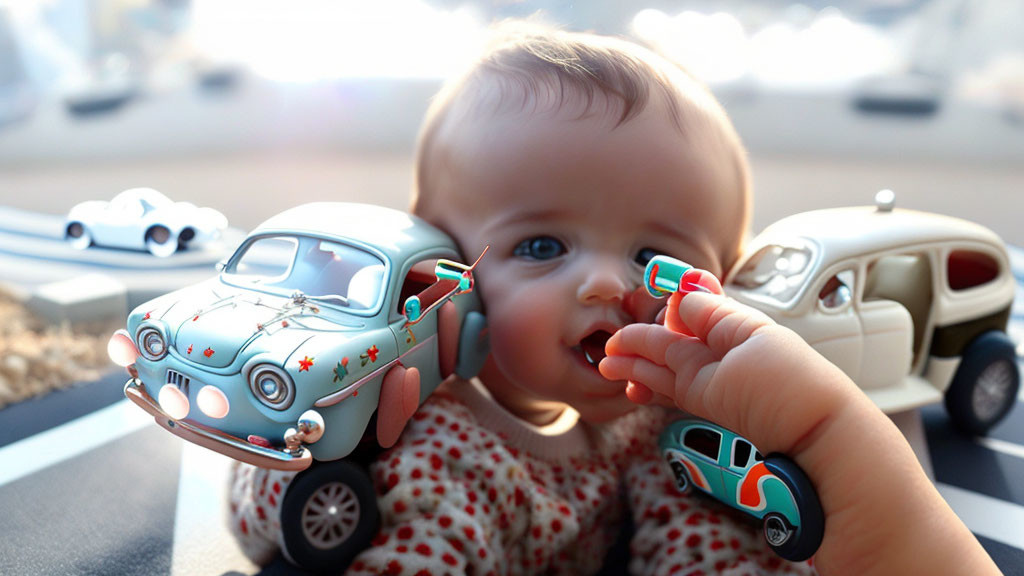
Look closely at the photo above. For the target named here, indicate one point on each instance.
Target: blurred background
(253, 106)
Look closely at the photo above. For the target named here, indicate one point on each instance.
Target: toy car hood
(212, 324)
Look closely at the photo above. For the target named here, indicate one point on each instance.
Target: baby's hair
(537, 68)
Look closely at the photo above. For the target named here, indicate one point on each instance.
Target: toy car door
(828, 320)
(894, 286)
(740, 458)
(418, 339)
(705, 445)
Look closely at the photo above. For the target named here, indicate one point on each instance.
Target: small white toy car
(913, 306)
(142, 219)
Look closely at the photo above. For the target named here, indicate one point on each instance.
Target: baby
(577, 158)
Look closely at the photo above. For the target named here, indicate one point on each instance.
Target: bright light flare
(212, 402)
(173, 402)
(121, 349)
(316, 40)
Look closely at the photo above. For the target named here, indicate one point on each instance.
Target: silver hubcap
(330, 516)
(991, 391)
(775, 531)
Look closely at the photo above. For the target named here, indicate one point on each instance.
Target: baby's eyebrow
(530, 215)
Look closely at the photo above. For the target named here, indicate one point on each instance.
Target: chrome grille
(178, 379)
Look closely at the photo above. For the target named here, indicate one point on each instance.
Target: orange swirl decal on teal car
(751, 488)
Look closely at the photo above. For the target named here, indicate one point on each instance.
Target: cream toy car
(282, 360)
(912, 306)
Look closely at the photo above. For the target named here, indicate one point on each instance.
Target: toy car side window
(704, 441)
(969, 268)
(741, 453)
(422, 282)
(837, 291)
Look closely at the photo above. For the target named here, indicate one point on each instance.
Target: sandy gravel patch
(37, 357)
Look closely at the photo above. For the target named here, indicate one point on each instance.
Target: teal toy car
(280, 360)
(730, 469)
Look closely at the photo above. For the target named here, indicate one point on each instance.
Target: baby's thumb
(695, 280)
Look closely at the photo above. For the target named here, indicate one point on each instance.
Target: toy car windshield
(776, 272)
(330, 272)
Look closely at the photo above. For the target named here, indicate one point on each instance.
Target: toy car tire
(474, 345)
(802, 544)
(680, 475)
(78, 235)
(329, 515)
(161, 242)
(986, 384)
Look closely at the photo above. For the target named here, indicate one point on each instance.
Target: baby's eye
(540, 248)
(644, 256)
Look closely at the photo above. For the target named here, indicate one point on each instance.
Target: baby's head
(576, 158)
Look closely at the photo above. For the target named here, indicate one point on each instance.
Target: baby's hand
(728, 363)
(731, 364)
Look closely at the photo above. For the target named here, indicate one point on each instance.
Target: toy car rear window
(776, 272)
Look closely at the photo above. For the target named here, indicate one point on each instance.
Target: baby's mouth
(591, 347)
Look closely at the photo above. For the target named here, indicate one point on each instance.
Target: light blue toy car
(730, 469)
(279, 361)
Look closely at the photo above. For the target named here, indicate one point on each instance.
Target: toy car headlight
(272, 386)
(151, 343)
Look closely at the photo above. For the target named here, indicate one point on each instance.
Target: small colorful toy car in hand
(283, 359)
(142, 219)
(729, 468)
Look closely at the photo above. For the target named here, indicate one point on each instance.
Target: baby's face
(572, 210)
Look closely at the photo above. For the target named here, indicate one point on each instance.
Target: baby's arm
(744, 372)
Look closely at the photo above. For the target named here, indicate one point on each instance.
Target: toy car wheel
(328, 516)
(985, 386)
(78, 236)
(795, 543)
(777, 531)
(679, 473)
(160, 242)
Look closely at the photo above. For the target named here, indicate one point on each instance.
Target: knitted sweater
(471, 489)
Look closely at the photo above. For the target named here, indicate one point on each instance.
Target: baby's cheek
(525, 338)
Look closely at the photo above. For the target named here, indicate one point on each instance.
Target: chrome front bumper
(216, 440)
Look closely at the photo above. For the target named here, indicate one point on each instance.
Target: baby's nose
(604, 282)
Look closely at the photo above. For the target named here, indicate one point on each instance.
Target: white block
(82, 299)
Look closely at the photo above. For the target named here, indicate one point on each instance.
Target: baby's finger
(720, 322)
(638, 393)
(654, 377)
(647, 340)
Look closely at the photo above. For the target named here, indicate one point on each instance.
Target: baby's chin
(605, 410)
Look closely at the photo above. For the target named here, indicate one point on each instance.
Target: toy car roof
(842, 233)
(391, 231)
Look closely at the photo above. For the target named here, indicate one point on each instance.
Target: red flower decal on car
(305, 363)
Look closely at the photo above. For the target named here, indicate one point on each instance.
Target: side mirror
(413, 309)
